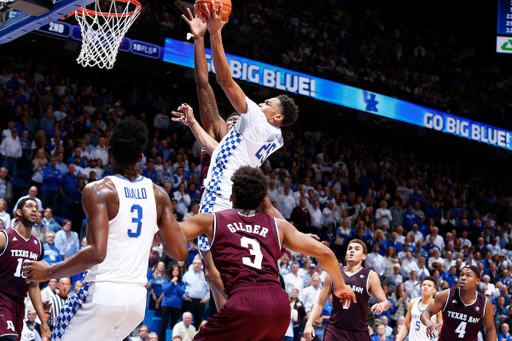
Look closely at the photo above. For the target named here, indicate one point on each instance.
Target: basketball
(226, 7)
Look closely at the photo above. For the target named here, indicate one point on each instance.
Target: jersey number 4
(254, 250)
(461, 329)
(136, 220)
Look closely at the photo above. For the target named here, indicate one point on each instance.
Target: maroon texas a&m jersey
(352, 317)
(16, 251)
(462, 321)
(206, 159)
(245, 248)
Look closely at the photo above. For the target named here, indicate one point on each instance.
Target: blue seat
(155, 324)
(148, 317)
(168, 335)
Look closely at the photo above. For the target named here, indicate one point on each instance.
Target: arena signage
(244, 69)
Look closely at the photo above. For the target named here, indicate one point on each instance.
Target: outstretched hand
(212, 19)
(36, 271)
(197, 26)
(186, 116)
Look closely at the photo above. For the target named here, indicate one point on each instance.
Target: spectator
(75, 209)
(11, 151)
(38, 229)
(152, 336)
(165, 175)
(66, 241)
(5, 186)
(143, 334)
(375, 261)
(400, 300)
(32, 325)
(50, 290)
(32, 194)
(286, 203)
(4, 216)
(394, 280)
(383, 214)
(193, 211)
(184, 329)
(49, 222)
(182, 198)
(408, 265)
(409, 218)
(391, 259)
(52, 255)
(413, 286)
(293, 280)
(101, 151)
(301, 218)
(197, 292)
(38, 165)
(310, 294)
(156, 283)
(397, 213)
(52, 178)
(317, 218)
(172, 303)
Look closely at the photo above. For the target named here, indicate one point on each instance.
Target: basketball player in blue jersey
(464, 310)
(124, 212)
(417, 330)
(348, 322)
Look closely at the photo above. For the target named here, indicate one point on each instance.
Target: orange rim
(91, 13)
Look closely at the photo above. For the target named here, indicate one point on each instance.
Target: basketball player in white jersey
(124, 212)
(417, 330)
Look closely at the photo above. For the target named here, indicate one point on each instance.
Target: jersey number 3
(136, 220)
(255, 251)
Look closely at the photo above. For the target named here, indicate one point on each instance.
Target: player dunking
(348, 323)
(417, 330)
(16, 246)
(246, 245)
(464, 309)
(124, 211)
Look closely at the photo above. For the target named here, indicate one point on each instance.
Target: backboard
(17, 23)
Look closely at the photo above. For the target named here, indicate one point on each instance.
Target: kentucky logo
(371, 103)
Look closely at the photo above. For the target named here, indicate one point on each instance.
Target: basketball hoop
(103, 30)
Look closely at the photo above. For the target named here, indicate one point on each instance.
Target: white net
(103, 29)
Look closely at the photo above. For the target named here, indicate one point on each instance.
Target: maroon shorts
(253, 312)
(12, 313)
(335, 334)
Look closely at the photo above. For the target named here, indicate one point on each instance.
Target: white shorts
(101, 311)
(211, 203)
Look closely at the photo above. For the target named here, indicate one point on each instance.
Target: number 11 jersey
(16, 251)
(245, 248)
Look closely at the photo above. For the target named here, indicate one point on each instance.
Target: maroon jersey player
(349, 322)
(464, 310)
(245, 246)
(17, 245)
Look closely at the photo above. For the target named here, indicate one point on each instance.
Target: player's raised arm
(302, 243)
(214, 23)
(173, 240)
(316, 311)
(212, 123)
(434, 308)
(488, 322)
(185, 115)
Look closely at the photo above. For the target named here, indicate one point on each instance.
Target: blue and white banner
(251, 71)
(244, 69)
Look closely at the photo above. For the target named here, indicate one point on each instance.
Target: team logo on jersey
(477, 308)
(454, 301)
(14, 239)
(362, 276)
(35, 242)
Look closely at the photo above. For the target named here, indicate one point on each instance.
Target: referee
(57, 301)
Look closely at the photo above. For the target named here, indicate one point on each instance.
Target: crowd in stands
(419, 214)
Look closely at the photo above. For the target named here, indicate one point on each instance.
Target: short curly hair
(249, 188)
(290, 110)
(128, 140)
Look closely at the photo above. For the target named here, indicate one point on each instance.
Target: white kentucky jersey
(130, 234)
(248, 143)
(418, 331)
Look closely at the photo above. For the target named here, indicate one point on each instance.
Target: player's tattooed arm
(212, 123)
